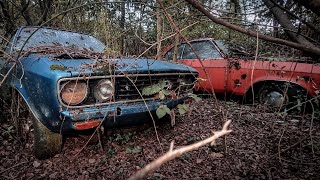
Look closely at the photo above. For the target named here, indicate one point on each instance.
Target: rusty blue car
(69, 83)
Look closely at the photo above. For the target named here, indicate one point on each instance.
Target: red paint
(89, 124)
(224, 72)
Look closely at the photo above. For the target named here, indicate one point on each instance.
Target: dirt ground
(263, 145)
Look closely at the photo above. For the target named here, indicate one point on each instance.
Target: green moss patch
(57, 67)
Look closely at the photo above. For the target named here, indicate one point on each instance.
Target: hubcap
(274, 98)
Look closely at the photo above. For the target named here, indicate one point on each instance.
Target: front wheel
(45, 143)
(281, 95)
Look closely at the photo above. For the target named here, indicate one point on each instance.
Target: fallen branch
(172, 154)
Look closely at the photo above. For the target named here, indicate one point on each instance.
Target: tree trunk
(284, 20)
(286, 10)
(176, 48)
(9, 23)
(309, 49)
(122, 25)
(45, 6)
(159, 31)
(25, 12)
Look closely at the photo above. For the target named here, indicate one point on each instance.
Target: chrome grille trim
(60, 81)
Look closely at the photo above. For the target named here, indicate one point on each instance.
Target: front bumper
(114, 115)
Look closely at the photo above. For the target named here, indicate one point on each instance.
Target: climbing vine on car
(159, 88)
(161, 91)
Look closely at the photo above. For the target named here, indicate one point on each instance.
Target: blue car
(70, 83)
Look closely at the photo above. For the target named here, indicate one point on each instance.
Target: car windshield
(205, 49)
(51, 37)
(223, 46)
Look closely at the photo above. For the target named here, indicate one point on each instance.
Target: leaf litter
(251, 151)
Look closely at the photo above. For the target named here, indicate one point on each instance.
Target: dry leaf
(36, 164)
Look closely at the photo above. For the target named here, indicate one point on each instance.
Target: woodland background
(263, 145)
(129, 27)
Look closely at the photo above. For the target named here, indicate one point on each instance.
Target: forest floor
(263, 145)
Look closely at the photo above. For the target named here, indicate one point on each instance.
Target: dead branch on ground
(172, 154)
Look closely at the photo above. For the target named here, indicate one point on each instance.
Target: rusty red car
(275, 83)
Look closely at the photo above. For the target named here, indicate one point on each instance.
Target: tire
(45, 143)
(281, 95)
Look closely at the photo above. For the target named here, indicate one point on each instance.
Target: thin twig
(279, 144)
(254, 64)
(310, 131)
(13, 167)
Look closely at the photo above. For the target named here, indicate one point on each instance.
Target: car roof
(53, 28)
(199, 39)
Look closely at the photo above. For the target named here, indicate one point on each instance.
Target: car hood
(76, 66)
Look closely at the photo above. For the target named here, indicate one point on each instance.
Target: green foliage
(163, 93)
(124, 138)
(155, 88)
(134, 150)
(162, 111)
(183, 108)
(57, 67)
(194, 97)
(111, 152)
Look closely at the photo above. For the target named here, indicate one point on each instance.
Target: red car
(277, 83)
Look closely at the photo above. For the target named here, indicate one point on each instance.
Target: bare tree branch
(302, 47)
(297, 17)
(284, 20)
(172, 154)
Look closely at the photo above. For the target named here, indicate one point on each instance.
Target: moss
(57, 67)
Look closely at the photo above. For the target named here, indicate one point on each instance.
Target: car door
(213, 63)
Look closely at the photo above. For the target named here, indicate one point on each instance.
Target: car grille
(127, 87)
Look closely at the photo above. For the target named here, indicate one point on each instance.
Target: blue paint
(37, 83)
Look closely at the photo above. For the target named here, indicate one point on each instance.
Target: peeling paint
(243, 76)
(237, 83)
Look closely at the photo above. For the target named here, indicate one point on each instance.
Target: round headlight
(104, 90)
(73, 93)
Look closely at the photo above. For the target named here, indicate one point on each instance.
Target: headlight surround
(74, 92)
(104, 90)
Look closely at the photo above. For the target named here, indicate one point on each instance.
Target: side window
(169, 55)
(205, 49)
(223, 46)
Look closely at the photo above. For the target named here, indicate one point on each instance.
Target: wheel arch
(25, 97)
(258, 84)
(31, 108)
